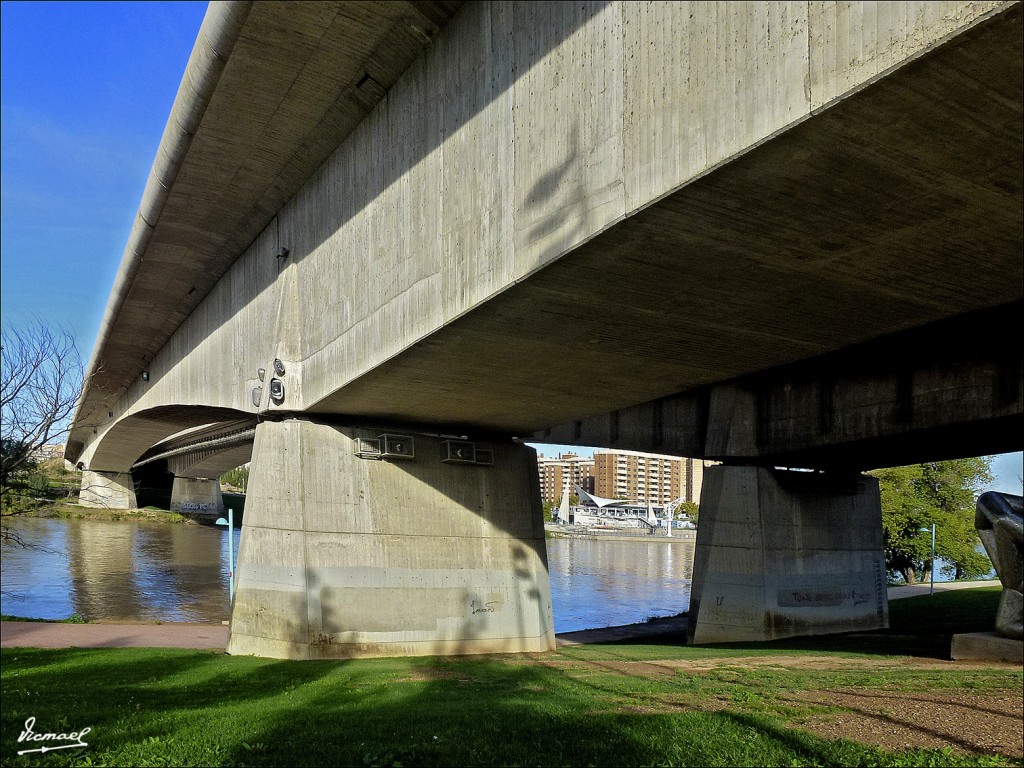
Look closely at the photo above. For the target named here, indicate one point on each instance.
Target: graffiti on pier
(196, 506)
(815, 598)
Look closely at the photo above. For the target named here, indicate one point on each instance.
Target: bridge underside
(898, 207)
(951, 389)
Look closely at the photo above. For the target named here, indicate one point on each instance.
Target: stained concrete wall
(783, 554)
(343, 556)
(197, 495)
(524, 130)
(108, 490)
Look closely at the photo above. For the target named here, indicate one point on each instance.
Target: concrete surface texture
(752, 184)
(782, 554)
(109, 490)
(987, 646)
(348, 556)
(197, 495)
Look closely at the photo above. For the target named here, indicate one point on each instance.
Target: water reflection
(606, 583)
(159, 572)
(117, 570)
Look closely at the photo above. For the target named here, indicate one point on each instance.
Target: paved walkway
(43, 635)
(895, 593)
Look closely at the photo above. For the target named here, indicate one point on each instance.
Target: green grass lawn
(594, 705)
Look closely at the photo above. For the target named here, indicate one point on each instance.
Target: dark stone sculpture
(1001, 528)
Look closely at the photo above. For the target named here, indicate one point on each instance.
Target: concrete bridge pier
(364, 542)
(107, 490)
(784, 554)
(197, 495)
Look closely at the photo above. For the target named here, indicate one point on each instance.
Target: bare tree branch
(40, 383)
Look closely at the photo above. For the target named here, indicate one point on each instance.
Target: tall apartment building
(647, 477)
(565, 471)
(629, 475)
(44, 452)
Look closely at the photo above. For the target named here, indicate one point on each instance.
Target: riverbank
(71, 511)
(76, 633)
(679, 536)
(75, 512)
(17, 632)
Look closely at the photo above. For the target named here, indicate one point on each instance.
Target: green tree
(237, 477)
(939, 492)
(690, 509)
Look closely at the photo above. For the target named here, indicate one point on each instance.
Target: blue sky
(86, 91)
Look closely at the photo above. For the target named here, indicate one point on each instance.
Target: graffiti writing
(197, 506)
(822, 597)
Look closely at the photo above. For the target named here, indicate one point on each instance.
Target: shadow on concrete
(400, 143)
(920, 626)
(131, 436)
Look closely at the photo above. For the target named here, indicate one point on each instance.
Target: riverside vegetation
(47, 489)
(650, 703)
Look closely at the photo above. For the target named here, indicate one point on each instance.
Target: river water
(161, 572)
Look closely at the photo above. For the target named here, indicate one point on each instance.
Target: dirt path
(966, 721)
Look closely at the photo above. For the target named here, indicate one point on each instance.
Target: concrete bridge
(396, 239)
(194, 460)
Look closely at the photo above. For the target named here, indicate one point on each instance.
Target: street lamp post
(931, 590)
(230, 523)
